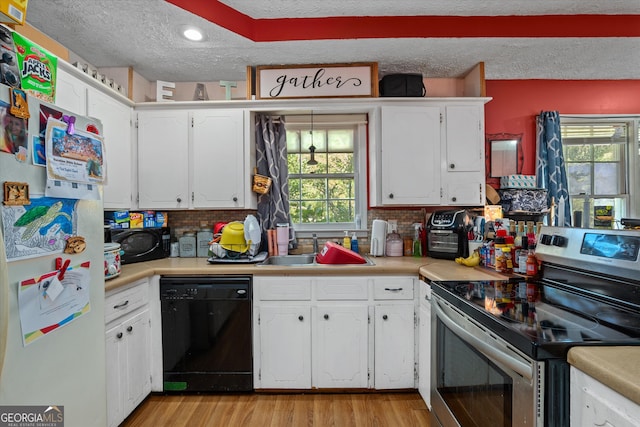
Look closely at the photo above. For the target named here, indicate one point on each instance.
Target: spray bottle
(417, 243)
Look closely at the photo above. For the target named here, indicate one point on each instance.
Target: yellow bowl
(232, 238)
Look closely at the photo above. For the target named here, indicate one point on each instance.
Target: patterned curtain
(271, 161)
(551, 172)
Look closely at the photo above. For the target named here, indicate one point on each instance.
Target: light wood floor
(281, 410)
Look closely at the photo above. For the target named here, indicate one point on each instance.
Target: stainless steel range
(499, 348)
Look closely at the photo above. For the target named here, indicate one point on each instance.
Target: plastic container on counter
(187, 245)
(203, 237)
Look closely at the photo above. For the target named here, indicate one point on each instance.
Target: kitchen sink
(304, 259)
(300, 261)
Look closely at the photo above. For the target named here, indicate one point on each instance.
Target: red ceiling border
(355, 27)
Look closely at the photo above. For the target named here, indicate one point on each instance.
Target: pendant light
(312, 149)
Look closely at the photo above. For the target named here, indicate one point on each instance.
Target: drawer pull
(326, 317)
(300, 318)
(385, 317)
(124, 304)
(119, 336)
(393, 289)
(129, 328)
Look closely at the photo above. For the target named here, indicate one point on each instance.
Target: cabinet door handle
(391, 195)
(385, 317)
(129, 328)
(124, 304)
(393, 289)
(326, 317)
(119, 335)
(235, 199)
(179, 200)
(453, 199)
(452, 166)
(301, 318)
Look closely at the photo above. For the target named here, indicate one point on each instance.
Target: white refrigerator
(64, 365)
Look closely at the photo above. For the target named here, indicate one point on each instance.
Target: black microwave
(142, 244)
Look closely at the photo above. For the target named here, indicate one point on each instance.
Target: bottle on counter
(532, 262)
(522, 254)
(346, 241)
(354, 242)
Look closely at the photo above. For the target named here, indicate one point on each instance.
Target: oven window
(476, 391)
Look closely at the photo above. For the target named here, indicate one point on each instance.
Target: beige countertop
(434, 269)
(616, 367)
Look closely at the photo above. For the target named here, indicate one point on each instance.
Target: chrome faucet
(315, 243)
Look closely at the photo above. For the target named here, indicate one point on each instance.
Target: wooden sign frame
(354, 80)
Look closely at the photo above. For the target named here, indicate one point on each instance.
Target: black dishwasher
(206, 333)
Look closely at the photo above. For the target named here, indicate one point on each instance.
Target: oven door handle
(517, 366)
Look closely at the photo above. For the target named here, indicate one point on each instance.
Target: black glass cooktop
(541, 319)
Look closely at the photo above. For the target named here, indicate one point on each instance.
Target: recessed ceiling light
(192, 34)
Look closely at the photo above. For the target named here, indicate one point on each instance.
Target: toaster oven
(447, 234)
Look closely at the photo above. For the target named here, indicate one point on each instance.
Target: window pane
(340, 140)
(341, 211)
(314, 212)
(293, 163)
(607, 180)
(293, 142)
(319, 140)
(341, 163)
(314, 189)
(294, 189)
(579, 178)
(321, 167)
(606, 153)
(294, 210)
(577, 153)
(341, 189)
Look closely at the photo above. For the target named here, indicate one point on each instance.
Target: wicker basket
(261, 183)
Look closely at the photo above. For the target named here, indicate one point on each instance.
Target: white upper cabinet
(71, 92)
(218, 158)
(116, 129)
(77, 96)
(429, 152)
(464, 176)
(163, 159)
(191, 159)
(410, 158)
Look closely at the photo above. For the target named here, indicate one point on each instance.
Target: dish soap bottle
(354, 242)
(346, 242)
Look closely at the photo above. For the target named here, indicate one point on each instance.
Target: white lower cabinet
(595, 404)
(285, 347)
(340, 346)
(394, 340)
(128, 349)
(320, 333)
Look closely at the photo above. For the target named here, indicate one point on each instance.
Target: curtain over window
(271, 161)
(550, 169)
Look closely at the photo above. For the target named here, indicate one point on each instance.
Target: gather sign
(317, 81)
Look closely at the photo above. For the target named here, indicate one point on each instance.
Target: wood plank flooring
(281, 410)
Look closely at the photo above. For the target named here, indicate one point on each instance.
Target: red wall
(516, 103)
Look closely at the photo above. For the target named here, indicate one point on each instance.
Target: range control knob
(559, 241)
(545, 239)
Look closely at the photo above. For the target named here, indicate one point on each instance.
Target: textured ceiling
(144, 34)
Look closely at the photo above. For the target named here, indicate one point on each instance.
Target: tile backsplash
(194, 220)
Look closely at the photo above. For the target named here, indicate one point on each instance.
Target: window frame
(327, 121)
(630, 176)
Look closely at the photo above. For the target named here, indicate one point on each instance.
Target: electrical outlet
(393, 224)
